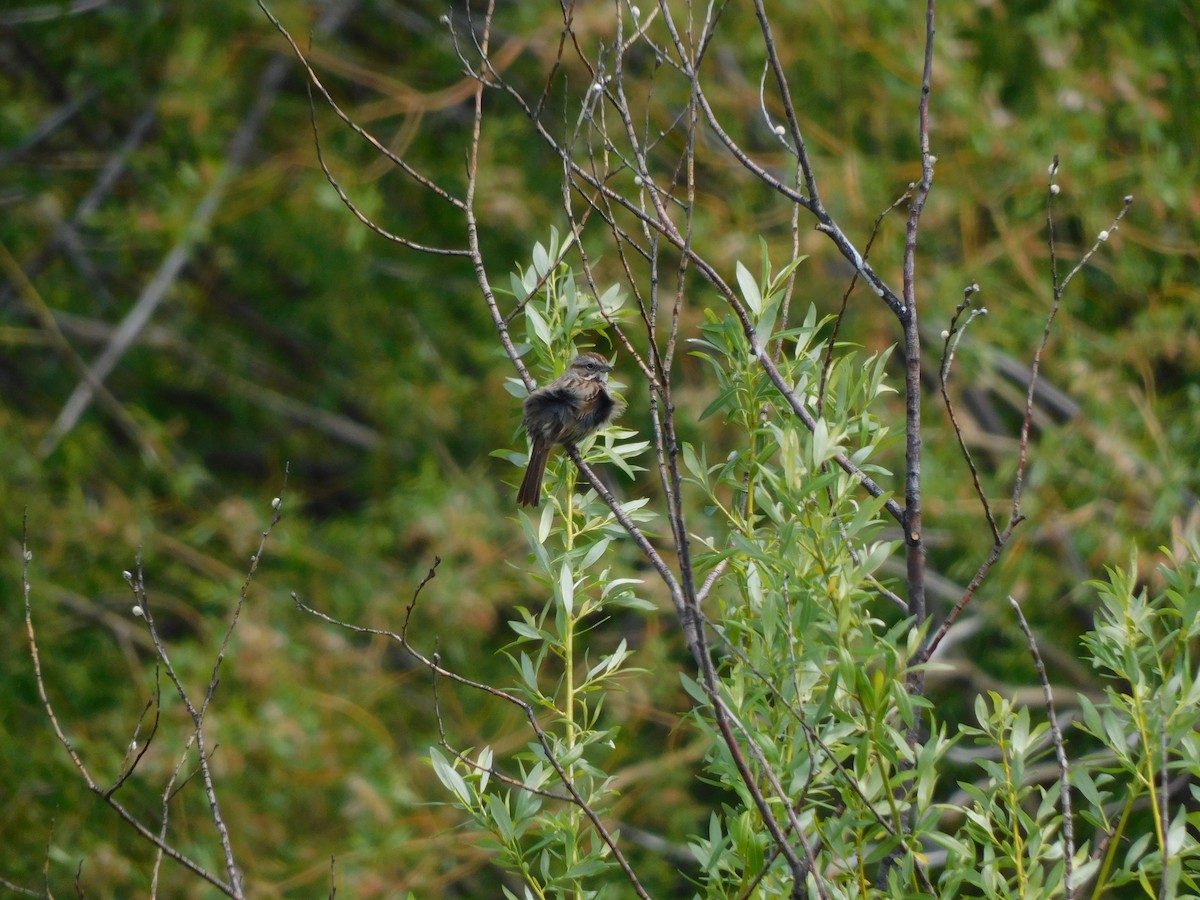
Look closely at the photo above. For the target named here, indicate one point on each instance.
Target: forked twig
(1016, 516)
(951, 338)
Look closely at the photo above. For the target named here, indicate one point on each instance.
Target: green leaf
(693, 688)
(765, 323)
(527, 631)
(498, 812)
(544, 523)
(449, 777)
(821, 445)
(540, 329)
(541, 260)
(750, 291)
(594, 553)
(485, 765)
(566, 587)
(611, 300)
(778, 280)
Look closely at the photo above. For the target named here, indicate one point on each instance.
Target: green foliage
(291, 322)
(549, 844)
(1142, 646)
(814, 678)
(1131, 826)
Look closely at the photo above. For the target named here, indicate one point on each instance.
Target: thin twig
(1060, 752)
(128, 817)
(407, 169)
(952, 338)
(141, 598)
(353, 207)
(438, 670)
(1059, 289)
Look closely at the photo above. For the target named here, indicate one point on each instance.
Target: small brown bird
(565, 412)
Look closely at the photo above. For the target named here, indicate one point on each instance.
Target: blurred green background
(293, 338)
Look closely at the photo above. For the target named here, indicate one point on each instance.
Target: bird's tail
(530, 493)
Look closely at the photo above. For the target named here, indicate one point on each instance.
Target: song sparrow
(565, 411)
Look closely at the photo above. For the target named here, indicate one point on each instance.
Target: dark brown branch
(909, 318)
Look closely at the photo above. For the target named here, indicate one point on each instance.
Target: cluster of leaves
(819, 684)
(537, 832)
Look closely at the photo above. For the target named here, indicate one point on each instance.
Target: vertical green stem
(568, 633)
(569, 627)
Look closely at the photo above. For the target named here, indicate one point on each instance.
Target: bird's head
(591, 365)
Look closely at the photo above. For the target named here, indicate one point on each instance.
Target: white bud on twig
(139, 612)
(276, 503)
(779, 130)
(1102, 236)
(28, 556)
(637, 179)
(636, 12)
(445, 20)
(133, 746)
(1054, 189)
(127, 575)
(945, 334)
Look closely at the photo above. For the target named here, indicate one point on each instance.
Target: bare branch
(1016, 517)
(229, 889)
(350, 204)
(341, 114)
